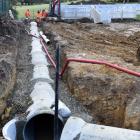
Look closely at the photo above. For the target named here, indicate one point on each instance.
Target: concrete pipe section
(77, 129)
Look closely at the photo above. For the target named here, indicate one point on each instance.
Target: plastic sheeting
(76, 11)
(100, 13)
(100, 16)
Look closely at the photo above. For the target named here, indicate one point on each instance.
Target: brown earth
(10, 43)
(16, 51)
(8, 53)
(110, 95)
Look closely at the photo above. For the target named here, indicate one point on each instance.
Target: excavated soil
(110, 96)
(95, 93)
(15, 69)
(16, 73)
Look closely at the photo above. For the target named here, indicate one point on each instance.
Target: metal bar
(56, 134)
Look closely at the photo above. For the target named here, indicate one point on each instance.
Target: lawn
(33, 9)
(138, 17)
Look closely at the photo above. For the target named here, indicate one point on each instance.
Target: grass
(138, 17)
(33, 9)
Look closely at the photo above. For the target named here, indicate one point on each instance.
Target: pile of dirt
(10, 35)
(110, 95)
(8, 53)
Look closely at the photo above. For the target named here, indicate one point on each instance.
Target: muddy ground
(110, 96)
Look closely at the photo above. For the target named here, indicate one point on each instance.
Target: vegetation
(138, 17)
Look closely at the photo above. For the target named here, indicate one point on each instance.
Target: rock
(132, 114)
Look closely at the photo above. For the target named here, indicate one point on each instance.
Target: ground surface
(105, 92)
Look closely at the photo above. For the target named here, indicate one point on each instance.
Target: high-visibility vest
(27, 13)
(44, 14)
(38, 15)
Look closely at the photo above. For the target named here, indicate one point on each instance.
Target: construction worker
(38, 16)
(44, 14)
(27, 13)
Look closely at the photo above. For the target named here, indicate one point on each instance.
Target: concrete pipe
(87, 131)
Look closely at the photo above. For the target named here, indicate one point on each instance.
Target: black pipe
(56, 134)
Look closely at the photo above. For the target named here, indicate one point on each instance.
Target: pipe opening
(41, 127)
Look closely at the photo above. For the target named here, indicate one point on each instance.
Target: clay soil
(107, 93)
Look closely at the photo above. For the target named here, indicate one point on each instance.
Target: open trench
(17, 100)
(110, 96)
(95, 93)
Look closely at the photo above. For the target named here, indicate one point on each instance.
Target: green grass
(138, 17)
(33, 9)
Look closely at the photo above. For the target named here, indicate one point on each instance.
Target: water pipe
(125, 70)
(46, 51)
(91, 61)
(44, 47)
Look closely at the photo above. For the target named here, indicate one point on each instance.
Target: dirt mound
(9, 42)
(106, 92)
